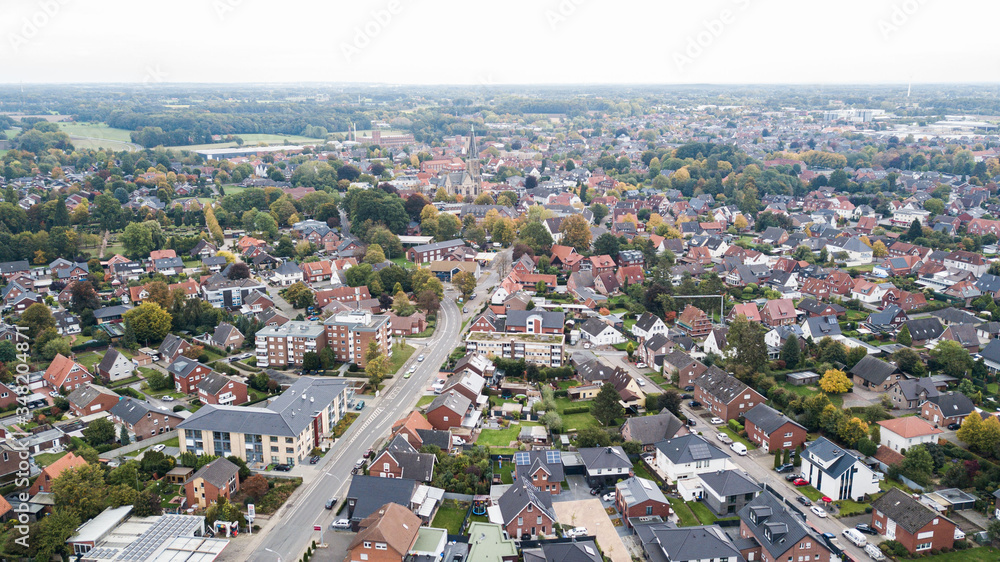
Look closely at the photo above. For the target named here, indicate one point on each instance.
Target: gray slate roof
(684, 544)
(575, 551)
(372, 492)
(217, 473)
(721, 384)
(538, 460)
(907, 512)
(953, 403)
(827, 451)
(873, 370)
(519, 495)
(785, 528)
(554, 320)
(690, 448)
(130, 410)
(767, 419)
(924, 328)
(730, 483)
(652, 429)
(595, 458)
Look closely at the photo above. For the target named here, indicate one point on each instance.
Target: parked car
(686, 397)
(792, 477)
(694, 404)
(159, 447)
(954, 426)
(368, 453)
(855, 537)
(689, 389)
(724, 438)
(596, 490)
(167, 398)
(866, 529)
(283, 467)
(314, 459)
(739, 448)
(610, 496)
(576, 532)
(420, 358)
(641, 382)
(408, 374)
(331, 502)
(640, 365)
(804, 501)
(360, 463)
(717, 421)
(360, 405)
(340, 524)
(691, 422)
(800, 482)
(819, 511)
(784, 468)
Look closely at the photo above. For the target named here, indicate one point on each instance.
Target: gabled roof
(538, 460)
(519, 495)
(953, 403)
(108, 361)
(777, 529)
(722, 385)
(595, 458)
(636, 490)
(130, 410)
(873, 370)
(372, 492)
(686, 543)
(924, 328)
(217, 473)
(828, 451)
(690, 448)
(392, 524)
(905, 511)
(767, 419)
(647, 321)
(652, 429)
(730, 483)
(595, 327)
(910, 426)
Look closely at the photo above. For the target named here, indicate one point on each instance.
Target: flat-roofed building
(279, 346)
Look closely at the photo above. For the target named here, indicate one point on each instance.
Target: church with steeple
(467, 183)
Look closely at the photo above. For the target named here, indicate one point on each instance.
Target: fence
(135, 446)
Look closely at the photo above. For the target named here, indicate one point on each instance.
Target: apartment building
(543, 349)
(349, 333)
(286, 344)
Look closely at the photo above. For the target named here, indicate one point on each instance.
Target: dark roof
(884, 317)
(988, 283)
(108, 360)
(519, 495)
(873, 370)
(217, 473)
(435, 437)
(730, 483)
(538, 458)
(953, 403)
(721, 384)
(911, 388)
(213, 382)
(829, 452)
(575, 551)
(372, 492)
(924, 328)
(767, 419)
(595, 458)
(652, 429)
(905, 511)
(549, 319)
(823, 326)
(992, 351)
(689, 448)
(954, 316)
(816, 307)
(594, 370)
(646, 321)
(776, 528)
(130, 410)
(109, 311)
(454, 401)
(594, 327)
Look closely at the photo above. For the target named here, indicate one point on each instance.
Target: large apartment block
(348, 334)
(542, 349)
(286, 431)
(279, 346)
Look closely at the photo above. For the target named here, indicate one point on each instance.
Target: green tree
(150, 321)
(607, 244)
(791, 352)
(745, 344)
(123, 436)
(630, 349)
(8, 352)
(917, 465)
(952, 358)
(535, 235)
(464, 282)
(600, 211)
(576, 232)
(786, 456)
(82, 490)
(607, 405)
(777, 458)
(854, 430)
(137, 239)
(835, 381)
(908, 360)
(972, 427)
(37, 318)
(99, 432)
(914, 232)
(310, 361)
(374, 254)
(53, 531)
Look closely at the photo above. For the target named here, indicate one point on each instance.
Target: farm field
(251, 140)
(98, 135)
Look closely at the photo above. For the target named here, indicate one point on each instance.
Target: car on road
(340, 524)
(694, 404)
(641, 382)
(787, 467)
(596, 490)
(331, 502)
(314, 459)
(283, 467)
(954, 426)
(739, 448)
(866, 529)
(610, 496)
(408, 374)
(640, 365)
(159, 447)
(167, 398)
(576, 532)
(465, 309)
(420, 358)
(804, 501)
(819, 511)
(724, 438)
(717, 421)
(691, 422)
(800, 482)
(360, 405)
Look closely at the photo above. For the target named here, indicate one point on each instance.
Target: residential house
(837, 472)
(605, 465)
(91, 399)
(946, 408)
(726, 492)
(648, 325)
(724, 395)
(923, 330)
(688, 456)
(715, 342)
(524, 511)
(187, 373)
(44, 481)
(900, 517)
(964, 334)
(772, 430)
(600, 333)
(114, 366)
(748, 309)
(400, 459)
(900, 434)
(217, 479)
(448, 410)
(819, 327)
(142, 419)
(64, 373)
(216, 388)
(778, 312)
(172, 347)
(288, 273)
(543, 468)
(908, 394)
(694, 322)
(875, 374)
(387, 535)
(667, 542)
(780, 532)
(650, 430)
(579, 550)
(639, 497)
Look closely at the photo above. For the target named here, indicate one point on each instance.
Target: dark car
(694, 404)
(691, 422)
(954, 426)
(314, 459)
(686, 397)
(688, 389)
(784, 468)
(803, 500)
(792, 477)
(596, 491)
(283, 467)
(866, 529)
(368, 453)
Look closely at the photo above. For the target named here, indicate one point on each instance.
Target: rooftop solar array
(553, 457)
(522, 458)
(700, 451)
(167, 528)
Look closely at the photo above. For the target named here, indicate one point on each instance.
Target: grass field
(95, 130)
(684, 513)
(702, 512)
(45, 459)
(89, 359)
(425, 400)
(251, 140)
(808, 390)
(736, 437)
(450, 516)
(399, 356)
(981, 554)
(501, 437)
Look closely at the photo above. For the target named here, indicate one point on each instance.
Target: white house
(114, 366)
(716, 342)
(857, 251)
(648, 325)
(687, 456)
(899, 434)
(599, 333)
(836, 473)
(287, 274)
(906, 216)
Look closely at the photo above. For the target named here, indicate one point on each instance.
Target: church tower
(472, 168)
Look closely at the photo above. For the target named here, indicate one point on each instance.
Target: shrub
(178, 408)
(735, 426)
(575, 410)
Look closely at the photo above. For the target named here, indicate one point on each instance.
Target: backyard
(450, 516)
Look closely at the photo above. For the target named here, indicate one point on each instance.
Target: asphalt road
(291, 529)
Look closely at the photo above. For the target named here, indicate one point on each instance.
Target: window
(538, 520)
(531, 507)
(368, 544)
(789, 434)
(649, 510)
(520, 521)
(924, 546)
(380, 546)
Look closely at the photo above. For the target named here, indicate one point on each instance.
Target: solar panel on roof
(553, 457)
(700, 451)
(522, 458)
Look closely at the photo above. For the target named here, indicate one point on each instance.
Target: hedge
(575, 410)
(88, 345)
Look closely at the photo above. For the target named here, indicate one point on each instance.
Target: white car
(641, 382)
(717, 421)
(640, 365)
(340, 524)
(610, 496)
(167, 398)
(576, 532)
(724, 438)
(819, 511)
(421, 358)
(159, 447)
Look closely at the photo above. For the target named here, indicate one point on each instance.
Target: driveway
(576, 491)
(861, 396)
(590, 513)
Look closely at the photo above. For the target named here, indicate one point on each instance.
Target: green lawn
(425, 400)
(809, 390)
(498, 437)
(401, 261)
(89, 359)
(431, 325)
(856, 315)
(251, 140)
(399, 356)
(96, 130)
(450, 516)
(172, 442)
(810, 492)
(45, 459)
(981, 554)
(505, 472)
(684, 513)
(563, 385)
(642, 472)
(574, 421)
(702, 512)
(736, 437)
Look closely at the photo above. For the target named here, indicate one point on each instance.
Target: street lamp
(275, 553)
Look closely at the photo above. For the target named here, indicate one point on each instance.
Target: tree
(310, 361)
(147, 504)
(917, 465)
(37, 318)
(377, 364)
(903, 337)
(908, 360)
(879, 250)
(428, 300)
(83, 296)
(464, 282)
(82, 490)
(99, 432)
(537, 237)
(777, 459)
(745, 344)
(255, 486)
(576, 232)
(374, 254)
(989, 435)
(952, 358)
(630, 349)
(49, 535)
(835, 381)
(600, 211)
(160, 293)
(791, 352)
(239, 271)
(123, 436)
(914, 232)
(607, 244)
(149, 320)
(8, 352)
(300, 296)
(607, 405)
(854, 430)
(740, 223)
(854, 355)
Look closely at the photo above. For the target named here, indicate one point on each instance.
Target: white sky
(500, 42)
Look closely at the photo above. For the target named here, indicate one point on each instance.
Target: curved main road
(290, 530)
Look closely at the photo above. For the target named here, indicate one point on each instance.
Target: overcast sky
(500, 42)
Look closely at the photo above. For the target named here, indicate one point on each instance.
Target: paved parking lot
(590, 513)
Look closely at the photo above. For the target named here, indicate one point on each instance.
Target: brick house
(639, 497)
(526, 511)
(899, 517)
(400, 459)
(694, 322)
(724, 395)
(187, 374)
(447, 410)
(219, 478)
(780, 534)
(91, 399)
(44, 481)
(142, 419)
(63, 372)
(172, 348)
(778, 312)
(317, 271)
(543, 468)
(216, 388)
(771, 430)
(387, 535)
(947, 408)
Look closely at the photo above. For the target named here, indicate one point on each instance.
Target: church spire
(472, 165)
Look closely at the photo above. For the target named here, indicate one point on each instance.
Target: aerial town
(426, 324)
